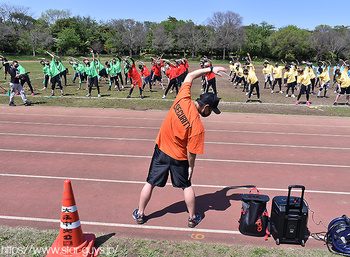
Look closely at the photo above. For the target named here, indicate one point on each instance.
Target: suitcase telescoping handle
(301, 198)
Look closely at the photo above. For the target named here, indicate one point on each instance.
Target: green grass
(23, 241)
(232, 100)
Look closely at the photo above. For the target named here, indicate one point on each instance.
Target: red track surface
(106, 153)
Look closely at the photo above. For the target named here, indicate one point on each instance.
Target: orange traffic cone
(71, 241)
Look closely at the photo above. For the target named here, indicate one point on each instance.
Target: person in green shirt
(91, 71)
(119, 70)
(55, 74)
(102, 72)
(46, 71)
(25, 78)
(74, 67)
(113, 74)
(81, 70)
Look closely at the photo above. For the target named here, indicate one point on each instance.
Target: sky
(304, 14)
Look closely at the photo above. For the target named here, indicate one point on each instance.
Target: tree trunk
(223, 53)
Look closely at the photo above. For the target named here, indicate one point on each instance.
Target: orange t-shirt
(182, 129)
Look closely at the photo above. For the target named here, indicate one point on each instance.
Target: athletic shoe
(44, 88)
(293, 96)
(335, 104)
(259, 101)
(139, 218)
(141, 96)
(99, 95)
(247, 93)
(248, 101)
(271, 91)
(347, 104)
(17, 93)
(27, 103)
(194, 222)
(12, 104)
(171, 91)
(88, 95)
(128, 96)
(297, 102)
(281, 92)
(32, 93)
(164, 96)
(307, 103)
(287, 95)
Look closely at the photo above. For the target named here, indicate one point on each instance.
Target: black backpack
(254, 216)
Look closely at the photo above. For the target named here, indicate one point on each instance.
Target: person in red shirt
(180, 139)
(157, 71)
(172, 74)
(147, 77)
(135, 76)
(210, 78)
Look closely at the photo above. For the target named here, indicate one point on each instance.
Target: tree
(39, 37)
(67, 40)
(51, 16)
(291, 43)
(257, 39)
(162, 42)
(129, 34)
(229, 32)
(189, 37)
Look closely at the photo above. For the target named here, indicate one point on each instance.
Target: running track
(106, 154)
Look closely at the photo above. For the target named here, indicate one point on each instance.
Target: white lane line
(205, 160)
(168, 184)
(152, 140)
(240, 132)
(94, 223)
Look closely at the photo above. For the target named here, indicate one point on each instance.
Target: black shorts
(155, 78)
(160, 167)
(93, 81)
(344, 90)
(103, 73)
(54, 80)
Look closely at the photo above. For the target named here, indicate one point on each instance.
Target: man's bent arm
(197, 73)
(191, 161)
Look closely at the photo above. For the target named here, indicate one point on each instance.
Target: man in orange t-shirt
(180, 139)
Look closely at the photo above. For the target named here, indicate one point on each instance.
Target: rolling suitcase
(289, 215)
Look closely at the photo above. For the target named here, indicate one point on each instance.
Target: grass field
(232, 100)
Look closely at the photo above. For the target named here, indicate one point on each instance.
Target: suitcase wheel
(277, 241)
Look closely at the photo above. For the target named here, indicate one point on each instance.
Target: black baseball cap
(211, 99)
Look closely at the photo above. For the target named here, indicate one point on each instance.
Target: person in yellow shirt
(310, 69)
(277, 73)
(289, 80)
(305, 83)
(253, 81)
(343, 79)
(267, 71)
(324, 79)
(239, 78)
